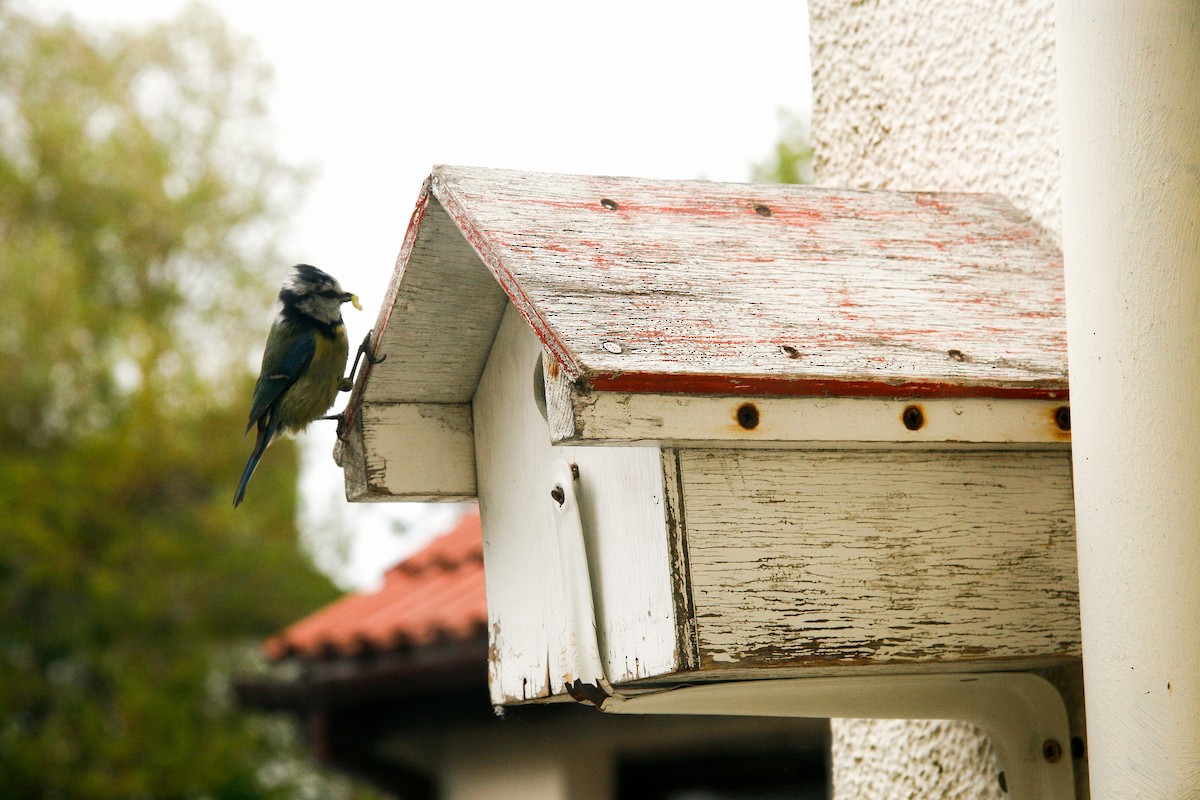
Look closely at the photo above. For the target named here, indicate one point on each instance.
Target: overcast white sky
(375, 93)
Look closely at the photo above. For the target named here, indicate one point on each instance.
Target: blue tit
(303, 363)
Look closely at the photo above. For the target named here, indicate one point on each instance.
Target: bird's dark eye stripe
(330, 293)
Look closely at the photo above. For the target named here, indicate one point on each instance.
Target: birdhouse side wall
(622, 502)
(900, 559)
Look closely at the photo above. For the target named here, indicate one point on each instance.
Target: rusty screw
(559, 495)
(747, 416)
(1062, 418)
(913, 418)
(1051, 750)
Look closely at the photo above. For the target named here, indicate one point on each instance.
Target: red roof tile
(435, 595)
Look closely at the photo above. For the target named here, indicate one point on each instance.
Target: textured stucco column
(954, 95)
(1130, 83)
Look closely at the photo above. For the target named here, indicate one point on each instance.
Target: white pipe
(1129, 97)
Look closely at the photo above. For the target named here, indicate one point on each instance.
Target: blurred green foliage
(792, 159)
(139, 202)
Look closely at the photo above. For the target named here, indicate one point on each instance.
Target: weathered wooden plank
(616, 418)
(707, 288)
(410, 451)
(880, 557)
(622, 507)
(680, 571)
(438, 319)
(434, 332)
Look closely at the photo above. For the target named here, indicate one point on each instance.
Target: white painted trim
(615, 418)
(410, 452)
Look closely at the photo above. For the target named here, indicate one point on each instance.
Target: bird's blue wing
(288, 353)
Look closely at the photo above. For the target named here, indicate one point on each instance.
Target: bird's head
(316, 294)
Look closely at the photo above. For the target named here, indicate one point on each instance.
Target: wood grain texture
(623, 511)
(411, 452)
(707, 288)
(880, 557)
(616, 418)
(434, 331)
(681, 573)
(438, 319)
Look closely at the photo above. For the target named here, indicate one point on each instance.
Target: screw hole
(956, 355)
(1077, 748)
(1062, 418)
(762, 211)
(913, 418)
(789, 351)
(1003, 783)
(747, 416)
(1051, 750)
(611, 205)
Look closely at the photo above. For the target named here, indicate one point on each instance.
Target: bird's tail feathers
(265, 433)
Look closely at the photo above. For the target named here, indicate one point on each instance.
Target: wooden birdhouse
(732, 431)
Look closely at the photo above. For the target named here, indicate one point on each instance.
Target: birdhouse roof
(693, 287)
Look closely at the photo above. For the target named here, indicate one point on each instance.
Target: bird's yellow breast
(313, 393)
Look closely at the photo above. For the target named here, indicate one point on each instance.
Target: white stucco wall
(886, 758)
(953, 95)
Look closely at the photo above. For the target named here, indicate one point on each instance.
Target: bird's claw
(364, 352)
(365, 349)
(346, 384)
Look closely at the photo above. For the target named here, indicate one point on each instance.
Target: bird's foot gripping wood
(347, 383)
(364, 351)
(341, 423)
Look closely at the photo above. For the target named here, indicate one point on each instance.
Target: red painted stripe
(768, 386)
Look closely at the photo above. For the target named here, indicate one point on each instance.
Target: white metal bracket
(1023, 714)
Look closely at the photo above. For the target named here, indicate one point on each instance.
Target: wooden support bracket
(1023, 714)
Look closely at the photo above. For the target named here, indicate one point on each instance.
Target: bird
(303, 362)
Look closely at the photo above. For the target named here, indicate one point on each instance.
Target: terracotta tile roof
(435, 595)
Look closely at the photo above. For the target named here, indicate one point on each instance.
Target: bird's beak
(353, 300)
